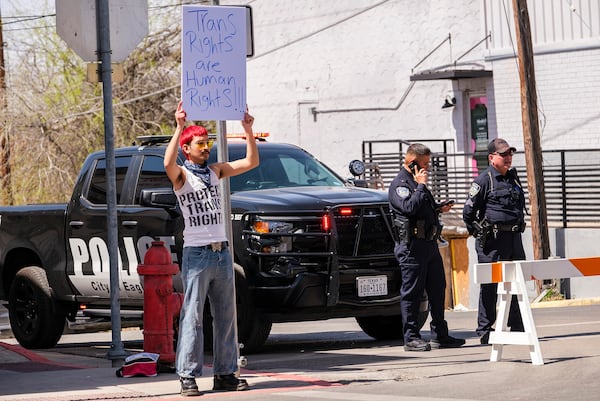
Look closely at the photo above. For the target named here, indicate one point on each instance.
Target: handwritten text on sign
(213, 62)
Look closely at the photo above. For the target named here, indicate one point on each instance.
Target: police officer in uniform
(417, 229)
(494, 214)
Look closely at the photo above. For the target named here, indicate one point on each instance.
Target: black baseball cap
(499, 145)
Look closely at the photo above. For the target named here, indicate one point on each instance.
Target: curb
(18, 354)
(566, 302)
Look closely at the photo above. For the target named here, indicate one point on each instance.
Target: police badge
(402, 192)
(474, 189)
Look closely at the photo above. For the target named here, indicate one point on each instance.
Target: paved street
(334, 360)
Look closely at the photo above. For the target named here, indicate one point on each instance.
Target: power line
(336, 23)
(122, 103)
(26, 18)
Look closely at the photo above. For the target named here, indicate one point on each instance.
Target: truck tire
(382, 327)
(253, 329)
(33, 320)
(390, 327)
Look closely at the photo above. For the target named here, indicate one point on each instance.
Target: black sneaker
(485, 338)
(189, 387)
(229, 383)
(447, 342)
(417, 344)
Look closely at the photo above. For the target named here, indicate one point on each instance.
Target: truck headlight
(272, 244)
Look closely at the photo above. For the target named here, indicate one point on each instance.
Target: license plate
(371, 286)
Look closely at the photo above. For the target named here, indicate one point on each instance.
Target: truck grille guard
(352, 232)
(337, 238)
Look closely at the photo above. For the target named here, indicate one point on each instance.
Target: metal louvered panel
(554, 23)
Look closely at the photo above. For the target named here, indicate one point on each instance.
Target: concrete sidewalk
(27, 375)
(42, 375)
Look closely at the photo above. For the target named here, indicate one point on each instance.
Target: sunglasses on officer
(509, 152)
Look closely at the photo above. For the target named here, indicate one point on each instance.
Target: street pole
(531, 132)
(116, 353)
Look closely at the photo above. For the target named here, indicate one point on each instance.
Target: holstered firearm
(401, 229)
(405, 230)
(482, 231)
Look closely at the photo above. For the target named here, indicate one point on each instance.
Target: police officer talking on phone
(416, 229)
(494, 214)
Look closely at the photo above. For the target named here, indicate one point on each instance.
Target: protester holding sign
(206, 266)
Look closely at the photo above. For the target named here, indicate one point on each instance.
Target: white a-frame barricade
(511, 277)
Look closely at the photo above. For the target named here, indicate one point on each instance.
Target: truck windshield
(282, 168)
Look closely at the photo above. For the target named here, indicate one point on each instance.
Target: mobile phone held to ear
(413, 167)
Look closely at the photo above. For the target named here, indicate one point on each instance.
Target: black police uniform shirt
(412, 200)
(498, 197)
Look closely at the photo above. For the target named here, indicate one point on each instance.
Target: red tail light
(345, 211)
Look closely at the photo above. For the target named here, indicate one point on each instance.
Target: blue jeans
(203, 273)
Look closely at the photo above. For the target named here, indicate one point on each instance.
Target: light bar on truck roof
(243, 135)
(240, 135)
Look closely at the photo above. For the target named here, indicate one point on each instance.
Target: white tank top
(202, 210)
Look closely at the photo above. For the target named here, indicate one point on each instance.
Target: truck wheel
(382, 327)
(387, 327)
(253, 329)
(32, 318)
(390, 327)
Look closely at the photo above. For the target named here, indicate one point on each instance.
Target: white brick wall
(332, 56)
(568, 101)
(364, 61)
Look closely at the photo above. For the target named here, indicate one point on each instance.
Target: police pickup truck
(308, 245)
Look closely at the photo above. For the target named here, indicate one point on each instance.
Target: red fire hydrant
(161, 303)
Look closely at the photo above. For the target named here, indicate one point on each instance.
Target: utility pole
(5, 187)
(531, 132)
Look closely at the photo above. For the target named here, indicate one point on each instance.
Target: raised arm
(237, 167)
(174, 172)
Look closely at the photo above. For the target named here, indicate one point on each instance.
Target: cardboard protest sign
(213, 62)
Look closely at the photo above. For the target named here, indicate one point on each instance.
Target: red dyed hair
(190, 132)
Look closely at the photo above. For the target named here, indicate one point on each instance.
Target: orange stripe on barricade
(587, 266)
(497, 272)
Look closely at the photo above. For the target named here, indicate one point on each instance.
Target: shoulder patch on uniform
(474, 189)
(402, 192)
